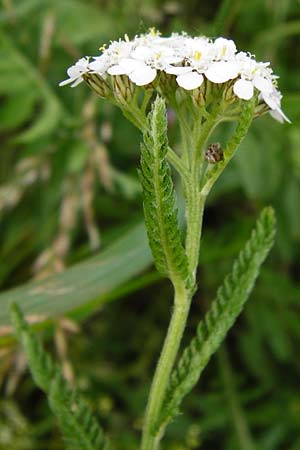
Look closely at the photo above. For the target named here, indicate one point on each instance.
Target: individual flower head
(75, 72)
(197, 56)
(189, 61)
(145, 59)
(224, 49)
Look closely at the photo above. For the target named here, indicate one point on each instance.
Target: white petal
(226, 47)
(68, 81)
(130, 64)
(271, 100)
(76, 82)
(83, 62)
(177, 70)
(143, 76)
(222, 42)
(222, 71)
(279, 115)
(243, 89)
(190, 80)
(117, 70)
(98, 65)
(262, 84)
(172, 59)
(74, 71)
(142, 52)
(165, 50)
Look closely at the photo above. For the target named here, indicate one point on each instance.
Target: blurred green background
(69, 193)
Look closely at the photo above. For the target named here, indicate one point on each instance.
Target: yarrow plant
(205, 82)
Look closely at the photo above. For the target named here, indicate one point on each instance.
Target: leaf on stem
(226, 307)
(80, 428)
(159, 198)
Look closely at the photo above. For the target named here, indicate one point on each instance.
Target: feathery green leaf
(159, 198)
(80, 428)
(211, 331)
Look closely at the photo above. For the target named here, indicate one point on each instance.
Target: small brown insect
(214, 153)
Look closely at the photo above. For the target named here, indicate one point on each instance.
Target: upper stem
(178, 164)
(195, 207)
(195, 200)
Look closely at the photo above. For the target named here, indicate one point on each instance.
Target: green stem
(195, 201)
(202, 132)
(147, 96)
(185, 132)
(178, 164)
(134, 115)
(164, 367)
(195, 208)
(150, 439)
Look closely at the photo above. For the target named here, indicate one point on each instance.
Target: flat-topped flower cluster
(189, 59)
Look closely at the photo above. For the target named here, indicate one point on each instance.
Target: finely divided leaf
(224, 310)
(159, 198)
(80, 428)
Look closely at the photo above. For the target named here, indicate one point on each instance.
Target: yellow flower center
(154, 32)
(197, 56)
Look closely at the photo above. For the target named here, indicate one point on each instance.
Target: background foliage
(69, 191)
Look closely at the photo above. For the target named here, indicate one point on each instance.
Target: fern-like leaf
(159, 198)
(80, 428)
(211, 331)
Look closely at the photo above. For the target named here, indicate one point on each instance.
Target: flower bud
(123, 89)
(97, 84)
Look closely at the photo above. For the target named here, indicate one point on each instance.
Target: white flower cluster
(189, 59)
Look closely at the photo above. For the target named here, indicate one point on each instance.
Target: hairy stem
(190, 167)
(195, 207)
(178, 164)
(164, 367)
(194, 211)
(194, 199)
